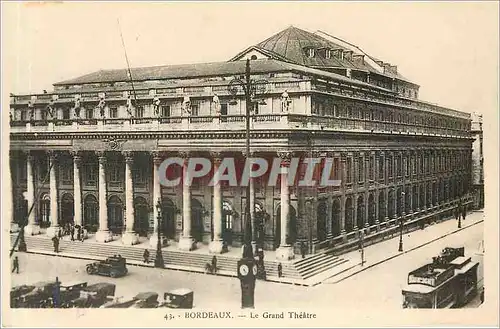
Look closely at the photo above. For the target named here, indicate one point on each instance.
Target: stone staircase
(316, 264)
(295, 272)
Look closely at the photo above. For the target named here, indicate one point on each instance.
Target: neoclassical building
(88, 152)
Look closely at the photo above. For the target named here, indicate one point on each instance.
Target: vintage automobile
(114, 267)
(146, 300)
(17, 292)
(94, 295)
(70, 291)
(178, 298)
(39, 297)
(141, 300)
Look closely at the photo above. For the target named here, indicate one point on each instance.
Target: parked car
(70, 291)
(146, 300)
(39, 297)
(94, 295)
(178, 298)
(17, 292)
(113, 266)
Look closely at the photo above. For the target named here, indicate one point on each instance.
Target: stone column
(387, 204)
(54, 204)
(10, 212)
(32, 228)
(153, 240)
(395, 202)
(77, 189)
(329, 208)
(216, 246)
(343, 198)
(285, 250)
(355, 211)
(103, 234)
(130, 237)
(186, 241)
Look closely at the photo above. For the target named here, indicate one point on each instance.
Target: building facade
(88, 152)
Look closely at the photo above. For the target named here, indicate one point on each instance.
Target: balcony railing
(233, 122)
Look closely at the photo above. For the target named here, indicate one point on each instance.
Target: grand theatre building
(88, 152)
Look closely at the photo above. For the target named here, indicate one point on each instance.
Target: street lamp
(362, 246)
(159, 256)
(401, 229)
(247, 268)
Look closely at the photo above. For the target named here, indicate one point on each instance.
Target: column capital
(157, 157)
(29, 155)
(52, 155)
(285, 156)
(216, 157)
(129, 156)
(102, 156)
(184, 154)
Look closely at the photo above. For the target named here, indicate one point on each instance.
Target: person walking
(55, 240)
(146, 256)
(280, 270)
(457, 212)
(72, 233)
(464, 212)
(214, 264)
(303, 249)
(15, 265)
(78, 232)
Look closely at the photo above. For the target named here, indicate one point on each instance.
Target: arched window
(91, 213)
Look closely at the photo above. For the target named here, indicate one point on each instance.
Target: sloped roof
(207, 70)
(291, 42)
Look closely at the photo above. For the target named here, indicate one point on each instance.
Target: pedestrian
(214, 264)
(280, 270)
(60, 233)
(303, 249)
(72, 232)
(78, 232)
(146, 256)
(464, 212)
(15, 265)
(457, 213)
(55, 240)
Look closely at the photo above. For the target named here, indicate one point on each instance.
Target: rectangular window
(66, 114)
(406, 166)
(223, 109)
(421, 160)
(140, 176)
(23, 115)
(66, 170)
(114, 174)
(370, 169)
(414, 164)
(361, 170)
(44, 115)
(89, 113)
(139, 112)
(335, 110)
(398, 165)
(336, 168)
(381, 169)
(349, 170)
(113, 112)
(91, 174)
(165, 111)
(389, 166)
(195, 109)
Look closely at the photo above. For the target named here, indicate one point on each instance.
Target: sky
(450, 49)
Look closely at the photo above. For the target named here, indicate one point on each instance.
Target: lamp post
(247, 268)
(362, 245)
(159, 256)
(401, 228)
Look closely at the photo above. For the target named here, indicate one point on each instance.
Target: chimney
(394, 69)
(348, 55)
(358, 59)
(387, 68)
(380, 63)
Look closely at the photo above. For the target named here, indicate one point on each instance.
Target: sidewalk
(386, 250)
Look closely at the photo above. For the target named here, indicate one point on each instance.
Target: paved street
(377, 287)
